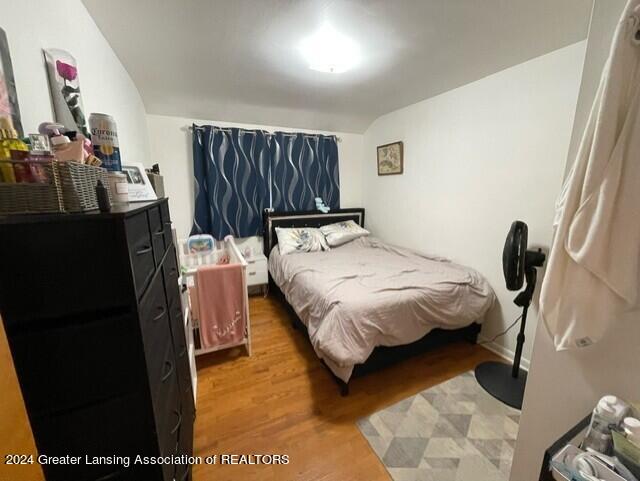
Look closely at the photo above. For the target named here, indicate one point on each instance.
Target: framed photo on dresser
(140, 189)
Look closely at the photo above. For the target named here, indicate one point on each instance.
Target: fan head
(514, 254)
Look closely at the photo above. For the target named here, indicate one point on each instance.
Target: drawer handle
(169, 372)
(163, 311)
(175, 430)
(184, 350)
(185, 475)
(159, 233)
(252, 273)
(144, 250)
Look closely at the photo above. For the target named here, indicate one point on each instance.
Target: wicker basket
(69, 187)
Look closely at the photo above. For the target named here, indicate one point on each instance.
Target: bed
(366, 304)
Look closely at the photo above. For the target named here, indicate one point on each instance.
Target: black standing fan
(502, 381)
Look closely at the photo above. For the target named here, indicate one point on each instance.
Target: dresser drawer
(162, 377)
(154, 313)
(165, 393)
(161, 369)
(154, 325)
(185, 441)
(257, 273)
(59, 382)
(177, 324)
(140, 251)
(168, 422)
(183, 472)
(157, 233)
(181, 351)
(188, 418)
(166, 222)
(121, 426)
(171, 273)
(174, 303)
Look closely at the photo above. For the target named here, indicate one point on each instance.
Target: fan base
(496, 379)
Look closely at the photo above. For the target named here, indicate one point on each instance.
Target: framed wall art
(390, 159)
(9, 108)
(65, 90)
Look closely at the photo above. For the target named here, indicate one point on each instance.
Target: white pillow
(342, 232)
(300, 239)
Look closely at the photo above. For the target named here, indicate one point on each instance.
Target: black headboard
(314, 218)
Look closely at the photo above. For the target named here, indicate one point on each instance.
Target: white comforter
(367, 293)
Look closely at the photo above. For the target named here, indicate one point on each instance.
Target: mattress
(368, 293)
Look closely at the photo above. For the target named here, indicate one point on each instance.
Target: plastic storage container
(609, 412)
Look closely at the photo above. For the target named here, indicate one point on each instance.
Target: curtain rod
(290, 134)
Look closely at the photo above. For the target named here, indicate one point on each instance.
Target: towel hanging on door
(593, 273)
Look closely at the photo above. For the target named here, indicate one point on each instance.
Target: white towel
(593, 273)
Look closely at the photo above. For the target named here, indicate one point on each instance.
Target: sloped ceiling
(238, 60)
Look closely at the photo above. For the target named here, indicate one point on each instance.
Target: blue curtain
(231, 170)
(303, 167)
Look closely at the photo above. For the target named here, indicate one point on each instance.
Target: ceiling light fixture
(329, 51)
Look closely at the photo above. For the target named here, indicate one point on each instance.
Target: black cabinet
(91, 307)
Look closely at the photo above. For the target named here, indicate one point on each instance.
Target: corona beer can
(104, 137)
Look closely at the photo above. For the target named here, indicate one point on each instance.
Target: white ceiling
(238, 60)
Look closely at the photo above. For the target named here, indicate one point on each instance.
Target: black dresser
(91, 307)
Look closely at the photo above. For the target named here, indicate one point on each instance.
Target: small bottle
(631, 427)
(104, 204)
(11, 148)
(40, 157)
(609, 412)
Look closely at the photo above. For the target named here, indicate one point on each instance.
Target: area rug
(451, 432)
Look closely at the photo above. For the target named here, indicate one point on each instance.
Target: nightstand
(257, 272)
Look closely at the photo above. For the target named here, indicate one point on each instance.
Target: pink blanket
(220, 305)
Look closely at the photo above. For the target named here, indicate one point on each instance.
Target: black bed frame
(381, 356)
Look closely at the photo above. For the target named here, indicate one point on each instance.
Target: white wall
(564, 386)
(32, 25)
(171, 148)
(477, 158)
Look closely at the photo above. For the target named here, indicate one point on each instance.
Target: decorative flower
(66, 71)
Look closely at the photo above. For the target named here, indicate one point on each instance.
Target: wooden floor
(283, 401)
